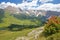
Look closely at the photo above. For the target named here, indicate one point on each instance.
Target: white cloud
(23, 5)
(26, 5)
(4, 5)
(11, 4)
(44, 1)
(49, 6)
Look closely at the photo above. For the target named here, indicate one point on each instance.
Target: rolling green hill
(9, 19)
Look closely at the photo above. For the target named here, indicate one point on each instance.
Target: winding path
(34, 34)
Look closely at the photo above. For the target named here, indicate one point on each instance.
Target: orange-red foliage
(53, 19)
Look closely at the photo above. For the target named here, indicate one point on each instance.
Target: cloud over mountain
(33, 5)
(49, 7)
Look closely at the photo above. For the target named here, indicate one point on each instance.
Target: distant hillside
(52, 13)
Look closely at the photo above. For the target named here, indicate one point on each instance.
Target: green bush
(52, 27)
(54, 37)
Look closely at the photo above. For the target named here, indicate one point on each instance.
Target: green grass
(12, 35)
(8, 19)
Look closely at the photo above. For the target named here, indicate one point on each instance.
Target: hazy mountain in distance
(12, 9)
(52, 13)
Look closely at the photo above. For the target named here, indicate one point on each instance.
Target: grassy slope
(11, 35)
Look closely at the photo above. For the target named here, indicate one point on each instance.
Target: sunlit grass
(11, 35)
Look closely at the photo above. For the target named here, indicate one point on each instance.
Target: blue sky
(56, 1)
(20, 1)
(12, 1)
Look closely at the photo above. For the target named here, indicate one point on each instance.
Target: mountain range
(36, 13)
(18, 13)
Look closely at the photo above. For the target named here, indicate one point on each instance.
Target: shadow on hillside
(1, 14)
(15, 27)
